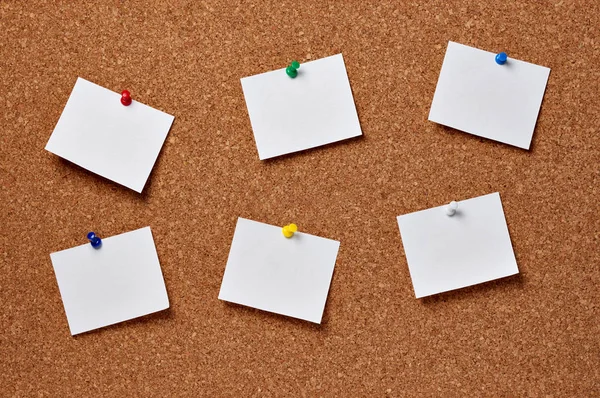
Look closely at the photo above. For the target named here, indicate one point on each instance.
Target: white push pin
(451, 208)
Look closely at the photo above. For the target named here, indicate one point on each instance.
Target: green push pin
(292, 69)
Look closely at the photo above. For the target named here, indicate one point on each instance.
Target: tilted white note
(450, 252)
(119, 281)
(476, 95)
(98, 133)
(268, 271)
(313, 109)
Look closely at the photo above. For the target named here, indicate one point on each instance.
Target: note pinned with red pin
(110, 134)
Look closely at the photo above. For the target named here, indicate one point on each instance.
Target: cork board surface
(535, 334)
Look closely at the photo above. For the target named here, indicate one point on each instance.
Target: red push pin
(126, 98)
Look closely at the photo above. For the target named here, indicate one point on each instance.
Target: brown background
(535, 334)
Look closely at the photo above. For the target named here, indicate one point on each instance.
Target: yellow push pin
(288, 230)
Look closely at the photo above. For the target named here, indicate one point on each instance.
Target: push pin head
(288, 230)
(94, 240)
(451, 208)
(501, 58)
(292, 69)
(125, 98)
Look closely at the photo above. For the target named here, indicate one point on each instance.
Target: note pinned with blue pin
(101, 285)
(489, 95)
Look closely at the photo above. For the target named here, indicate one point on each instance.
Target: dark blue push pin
(501, 58)
(94, 240)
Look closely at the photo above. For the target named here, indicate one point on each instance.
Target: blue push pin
(94, 240)
(501, 58)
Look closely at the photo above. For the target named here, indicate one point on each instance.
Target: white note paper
(313, 109)
(446, 253)
(98, 133)
(267, 271)
(476, 95)
(119, 281)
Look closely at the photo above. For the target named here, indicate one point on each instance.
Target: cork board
(535, 334)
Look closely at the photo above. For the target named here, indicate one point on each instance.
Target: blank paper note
(476, 95)
(269, 272)
(98, 133)
(119, 281)
(313, 109)
(446, 253)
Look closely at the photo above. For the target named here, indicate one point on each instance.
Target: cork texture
(535, 334)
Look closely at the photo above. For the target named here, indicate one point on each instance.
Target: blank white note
(476, 95)
(267, 271)
(446, 253)
(313, 109)
(119, 281)
(98, 133)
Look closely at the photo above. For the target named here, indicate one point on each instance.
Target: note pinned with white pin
(494, 98)
(314, 107)
(457, 245)
(115, 139)
(117, 280)
(278, 270)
